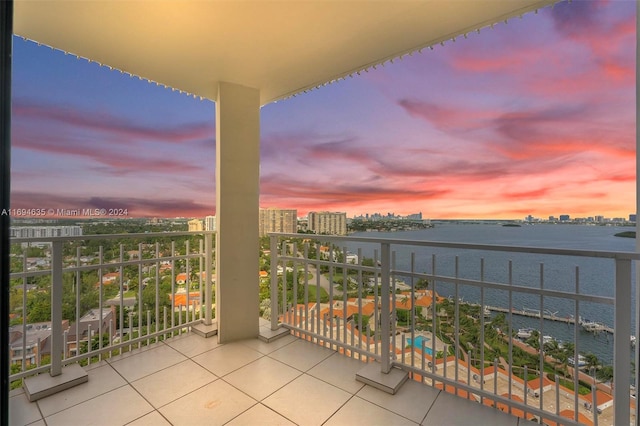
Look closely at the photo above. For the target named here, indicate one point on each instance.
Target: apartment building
(45, 231)
(195, 225)
(210, 223)
(329, 223)
(277, 220)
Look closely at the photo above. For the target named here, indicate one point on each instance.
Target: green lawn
(324, 296)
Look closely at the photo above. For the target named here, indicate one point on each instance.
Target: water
(594, 276)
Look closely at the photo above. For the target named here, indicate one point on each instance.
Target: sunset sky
(536, 116)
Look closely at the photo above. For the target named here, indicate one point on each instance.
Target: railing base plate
(268, 335)
(43, 385)
(205, 331)
(389, 382)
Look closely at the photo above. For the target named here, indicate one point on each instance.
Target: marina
(590, 326)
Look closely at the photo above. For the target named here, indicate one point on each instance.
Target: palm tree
(562, 357)
(534, 339)
(605, 373)
(568, 351)
(592, 364)
(499, 321)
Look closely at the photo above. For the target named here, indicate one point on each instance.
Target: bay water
(565, 273)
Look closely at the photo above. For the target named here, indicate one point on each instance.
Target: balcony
(191, 380)
(362, 355)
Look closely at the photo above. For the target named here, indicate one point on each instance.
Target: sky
(533, 117)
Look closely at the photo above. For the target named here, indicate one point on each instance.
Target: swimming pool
(418, 343)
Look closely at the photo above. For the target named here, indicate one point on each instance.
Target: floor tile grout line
(431, 406)
(317, 363)
(241, 413)
(157, 409)
(87, 400)
(261, 400)
(234, 370)
(126, 383)
(154, 410)
(394, 412)
(339, 408)
(39, 411)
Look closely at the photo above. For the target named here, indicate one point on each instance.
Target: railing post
(56, 308)
(208, 297)
(385, 314)
(274, 282)
(621, 335)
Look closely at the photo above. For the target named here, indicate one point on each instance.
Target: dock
(531, 313)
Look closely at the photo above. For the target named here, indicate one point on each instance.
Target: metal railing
(503, 326)
(94, 296)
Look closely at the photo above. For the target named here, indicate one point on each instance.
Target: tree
(605, 373)
(38, 306)
(363, 321)
(421, 284)
(403, 316)
(534, 340)
(95, 343)
(500, 321)
(592, 364)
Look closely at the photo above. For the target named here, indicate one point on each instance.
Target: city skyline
(533, 117)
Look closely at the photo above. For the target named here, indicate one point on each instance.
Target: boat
(582, 361)
(590, 326)
(487, 312)
(633, 340)
(525, 333)
(547, 339)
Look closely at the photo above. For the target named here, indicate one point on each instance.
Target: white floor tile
(21, 411)
(412, 401)
(192, 345)
(147, 362)
(227, 358)
(118, 407)
(152, 419)
(455, 411)
(260, 415)
(357, 411)
(307, 400)
(302, 355)
(173, 382)
(267, 348)
(262, 377)
(339, 371)
(213, 404)
(102, 379)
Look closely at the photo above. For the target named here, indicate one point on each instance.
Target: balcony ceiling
(279, 47)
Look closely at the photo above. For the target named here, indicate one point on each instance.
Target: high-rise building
(210, 223)
(195, 225)
(328, 223)
(45, 231)
(278, 220)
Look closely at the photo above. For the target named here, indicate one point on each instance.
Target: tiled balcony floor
(189, 380)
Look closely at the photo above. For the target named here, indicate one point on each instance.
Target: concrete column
(237, 203)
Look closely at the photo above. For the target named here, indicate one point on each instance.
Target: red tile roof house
(180, 300)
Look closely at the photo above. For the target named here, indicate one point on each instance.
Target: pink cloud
(121, 130)
(136, 207)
